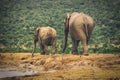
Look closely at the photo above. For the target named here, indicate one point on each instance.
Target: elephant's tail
(86, 30)
(65, 39)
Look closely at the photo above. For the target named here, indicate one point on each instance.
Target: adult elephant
(46, 36)
(80, 26)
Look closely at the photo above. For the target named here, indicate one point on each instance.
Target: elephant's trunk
(65, 39)
(35, 40)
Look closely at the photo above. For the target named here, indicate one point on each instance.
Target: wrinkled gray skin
(80, 26)
(45, 36)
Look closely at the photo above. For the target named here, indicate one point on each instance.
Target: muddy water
(60, 67)
(12, 73)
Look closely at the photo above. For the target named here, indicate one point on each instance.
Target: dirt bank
(62, 66)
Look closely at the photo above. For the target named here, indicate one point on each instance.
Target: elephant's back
(52, 31)
(46, 32)
(77, 23)
(84, 19)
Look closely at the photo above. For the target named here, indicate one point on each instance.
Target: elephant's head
(66, 30)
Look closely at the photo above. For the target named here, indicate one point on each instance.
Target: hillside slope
(20, 18)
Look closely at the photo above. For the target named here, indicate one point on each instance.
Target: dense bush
(19, 18)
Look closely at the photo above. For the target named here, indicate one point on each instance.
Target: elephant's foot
(85, 54)
(74, 52)
(46, 53)
(32, 55)
(42, 52)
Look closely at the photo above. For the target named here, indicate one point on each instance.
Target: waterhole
(12, 73)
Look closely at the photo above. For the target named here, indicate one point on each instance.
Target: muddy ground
(61, 66)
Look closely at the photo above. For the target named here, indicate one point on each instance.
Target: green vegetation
(19, 18)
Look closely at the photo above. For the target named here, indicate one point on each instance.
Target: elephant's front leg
(74, 46)
(34, 47)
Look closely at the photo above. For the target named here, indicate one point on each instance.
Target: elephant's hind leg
(54, 46)
(42, 49)
(84, 41)
(46, 49)
(74, 46)
(85, 47)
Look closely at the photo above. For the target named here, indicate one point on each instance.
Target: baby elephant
(45, 36)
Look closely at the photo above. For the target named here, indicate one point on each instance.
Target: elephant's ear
(37, 28)
(68, 16)
(36, 31)
(64, 20)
